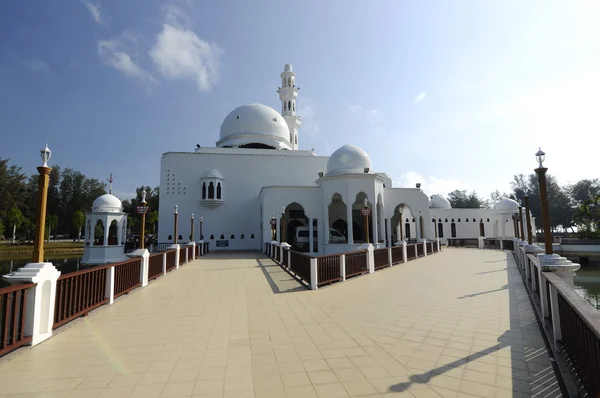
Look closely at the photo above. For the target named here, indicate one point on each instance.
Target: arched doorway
(453, 229)
(337, 210)
(112, 233)
(99, 233)
(401, 212)
(294, 218)
(440, 230)
(360, 227)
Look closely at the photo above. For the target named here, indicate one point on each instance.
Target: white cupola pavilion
(105, 231)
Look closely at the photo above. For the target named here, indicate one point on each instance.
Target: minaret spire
(288, 93)
(110, 181)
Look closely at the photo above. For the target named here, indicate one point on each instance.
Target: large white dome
(348, 159)
(255, 126)
(439, 202)
(107, 203)
(507, 205)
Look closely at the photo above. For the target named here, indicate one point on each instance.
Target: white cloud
(372, 117)
(38, 65)
(429, 185)
(180, 54)
(420, 97)
(113, 52)
(95, 11)
(307, 113)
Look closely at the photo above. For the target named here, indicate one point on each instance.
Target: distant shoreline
(51, 248)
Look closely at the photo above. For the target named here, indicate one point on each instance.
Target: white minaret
(288, 93)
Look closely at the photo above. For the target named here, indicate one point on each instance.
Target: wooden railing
(573, 322)
(277, 253)
(160, 247)
(508, 244)
(13, 303)
(411, 252)
(430, 246)
(420, 251)
(182, 256)
(491, 243)
(155, 266)
(397, 256)
(328, 269)
(300, 265)
(381, 258)
(356, 263)
(171, 260)
(78, 293)
(463, 242)
(127, 276)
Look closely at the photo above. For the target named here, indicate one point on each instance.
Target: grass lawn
(7, 247)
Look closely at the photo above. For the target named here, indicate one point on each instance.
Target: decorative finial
(143, 193)
(366, 202)
(192, 216)
(46, 154)
(176, 207)
(110, 181)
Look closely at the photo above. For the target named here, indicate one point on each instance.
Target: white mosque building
(257, 173)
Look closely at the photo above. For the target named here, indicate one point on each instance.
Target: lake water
(587, 279)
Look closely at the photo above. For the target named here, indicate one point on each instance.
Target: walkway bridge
(456, 323)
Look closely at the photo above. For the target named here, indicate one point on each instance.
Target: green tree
(587, 218)
(152, 219)
(1, 229)
(12, 187)
(51, 223)
(16, 219)
(584, 190)
(78, 221)
(463, 200)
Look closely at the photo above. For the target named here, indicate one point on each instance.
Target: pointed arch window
(296, 140)
(290, 105)
(453, 230)
(211, 190)
(252, 236)
(242, 236)
(203, 190)
(294, 106)
(222, 236)
(440, 230)
(218, 190)
(232, 236)
(290, 81)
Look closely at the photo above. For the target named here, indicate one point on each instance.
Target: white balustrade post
(370, 258)
(177, 254)
(187, 259)
(481, 244)
(501, 244)
(164, 263)
(439, 247)
(343, 267)
(41, 299)
(404, 252)
(556, 328)
(543, 295)
(109, 291)
(144, 256)
(314, 277)
(389, 256)
(424, 247)
(201, 247)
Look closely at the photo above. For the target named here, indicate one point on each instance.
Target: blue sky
(452, 94)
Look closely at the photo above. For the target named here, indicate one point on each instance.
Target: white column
(313, 274)
(390, 256)
(311, 234)
(404, 252)
(164, 263)
(424, 247)
(343, 267)
(177, 254)
(543, 295)
(370, 259)
(119, 231)
(278, 238)
(109, 291)
(106, 231)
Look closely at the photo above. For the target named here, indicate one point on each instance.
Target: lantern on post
(175, 225)
(366, 212)
(43, 181)
(541, 172)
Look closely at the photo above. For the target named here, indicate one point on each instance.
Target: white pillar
(177, 254)
(389, 256)
(41, 299)
(144, 255)
(109, 291)
(370, 258)
(164, 263)
(314, 277)
(424, 247)
(481, 245)
(343, 267)
(543, 294)
(374, 224)
(311, 236)
(278, 230)
(404, 252)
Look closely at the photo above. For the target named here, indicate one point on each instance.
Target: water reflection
(65, 264)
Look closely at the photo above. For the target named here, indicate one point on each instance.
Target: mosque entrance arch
(338, 219)
(360, 229)
(294, 217)
(400, 230)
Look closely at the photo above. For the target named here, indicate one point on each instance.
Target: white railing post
(404, 252)
(109, 291)
(370, 259)
(187, 259)
(343, 267)
(543, 295)
(481, 243)
(424, 247)
(556, 328)
(144, 256)
(177, 254)
(439, 247)
(164, 263)
(501, 245)
(314, 277)
(389, 256)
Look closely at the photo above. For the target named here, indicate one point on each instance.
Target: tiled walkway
(455, 324)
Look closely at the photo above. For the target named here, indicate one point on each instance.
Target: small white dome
(507, 204)
(288, 67)
(439, 202)
(349, 159)
(107, 203)
(214, 173)
(255, 124)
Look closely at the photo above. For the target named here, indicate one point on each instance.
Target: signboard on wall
(222, 243)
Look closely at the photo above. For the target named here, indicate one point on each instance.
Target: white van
(301, 237)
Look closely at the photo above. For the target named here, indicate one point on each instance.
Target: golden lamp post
(175, 226)
(541, 172)
(143, 209)
(366, 212)
(283, 225)
(521, 222)
(528, 217)
(43, 180)
(192, 229)
(201, 232)
(273, 226)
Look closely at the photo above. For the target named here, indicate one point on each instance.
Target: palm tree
(78, 221)
(52, 221)
(16, 219)
(587, 216)
(153, 219)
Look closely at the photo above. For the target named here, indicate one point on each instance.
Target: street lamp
(143, 211)
(43, 180)
(273, 226)
(175, 219)
(192, 229)
(528, 217)
(541, 172)
(366, 213)
(435, 226)
(201, 232)
(283, 225)
(521, 221)
(421, 225)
